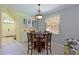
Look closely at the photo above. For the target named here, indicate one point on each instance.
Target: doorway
(8, 26)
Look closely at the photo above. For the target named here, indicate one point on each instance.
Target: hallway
(13, 47)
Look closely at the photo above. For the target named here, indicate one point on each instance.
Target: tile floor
(10, 46)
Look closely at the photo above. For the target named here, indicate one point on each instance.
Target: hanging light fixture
(38, 16)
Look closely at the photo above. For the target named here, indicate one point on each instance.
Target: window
(52, 24)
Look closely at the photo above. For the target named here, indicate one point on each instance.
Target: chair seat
(36, 45)
(44, 40)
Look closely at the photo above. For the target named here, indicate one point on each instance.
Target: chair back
(46, 37)
(46, 32)
(49, 37)
(32, 32)
(29, 35)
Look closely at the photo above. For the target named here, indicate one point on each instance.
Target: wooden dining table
(39, 44)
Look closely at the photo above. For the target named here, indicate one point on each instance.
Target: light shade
(38, 17)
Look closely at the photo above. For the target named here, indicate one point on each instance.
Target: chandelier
(38, 16)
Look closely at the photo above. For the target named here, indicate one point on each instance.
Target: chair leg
(44, 46)
(50, 48)
(47, 51)
(34, 45)
(28, 50)
(47, 48)
(31, 51)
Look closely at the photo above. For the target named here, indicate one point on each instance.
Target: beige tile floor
(10, 46)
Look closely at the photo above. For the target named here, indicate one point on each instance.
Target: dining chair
(45, 40)
(34, 39)
(38, 44)
(30, 42)
(49, 41)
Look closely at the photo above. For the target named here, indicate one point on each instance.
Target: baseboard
(58, 44)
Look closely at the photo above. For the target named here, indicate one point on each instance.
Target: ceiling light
(38, 16)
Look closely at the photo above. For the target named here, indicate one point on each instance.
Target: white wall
(69, 24)
(41, 24)
(8, 29)
(0, 26)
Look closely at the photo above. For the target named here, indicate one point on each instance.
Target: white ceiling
(31, 9)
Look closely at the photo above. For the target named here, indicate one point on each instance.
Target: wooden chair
(30, 42)
(37, 45)
(34, 39)
(47, 41)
